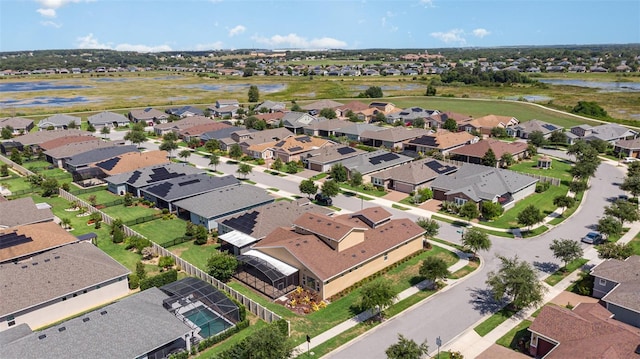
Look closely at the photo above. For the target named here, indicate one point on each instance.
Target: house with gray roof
(23, 211)
(478, 183)
(412, 176)
(297, 121)
(324, 127)
(58, 283)
(58, 122)
(138, 326)
(355, 130)
(226, 137)
(228, 200)
(323, 158)
(20, 125)
(84, 159)
(610, 132)
(271, 106)
(165, 193)
(617, 284)
(408, 115)
(375, 161)
(108, 119)
(133, 181)
(524, 129)
(149, 116)
(185, 111)
(59, 155)
(392, 137)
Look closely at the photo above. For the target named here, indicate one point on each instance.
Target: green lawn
(534, 232)
(560, 168)
(569, 211)
(319, 176)
(129, 213)
(558, 275)
(493, 321)
(233, 340)
(194, 254)
(510, 340)
(374, 192)
(397, 206)
(542, 201)
(101, 196)
(161, 230)
(16, 183)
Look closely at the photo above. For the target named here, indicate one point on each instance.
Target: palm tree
(66, 222)
(214, 160)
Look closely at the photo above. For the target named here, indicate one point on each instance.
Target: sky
(200, 25)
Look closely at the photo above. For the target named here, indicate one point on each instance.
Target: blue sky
(186, 25)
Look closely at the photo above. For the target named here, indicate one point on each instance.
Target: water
(603, 86)
(531, 98)
(38, 86)
(266, 88)
(392, 87)
(210, 323)
(47, 101)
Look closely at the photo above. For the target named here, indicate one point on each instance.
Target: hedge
(159, 280)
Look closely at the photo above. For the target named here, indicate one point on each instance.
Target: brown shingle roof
(32, 138)
(44, 236)
(354, 106)
(184, 123)
(443, 139)
(499, 148)
(134, 160)
(373, 214)
(49, 145)
(319, 105)
(72, 149)
(395, 134)
(200, 129)
(333, 228)
(22, 211)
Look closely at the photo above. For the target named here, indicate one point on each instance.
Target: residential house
(524, 129)
(627, 148)
(392, 137)
(296, 122)
(270, 107)
(322, 104)
(474, 153)
(58, 122)
(224, 136)
(177, 126)
(33, 139)
(163, 194)
(412, 176)
(85, 159)
(272, 119)
(132, 182)
(354, 106)
(60, 154)
(63, 141)
(288, 149)
(18, 124)
(409, 115)
(617, 284)
(331, 254)
(108, 119)
(246, 138)
(225, 108)
(481, 183)
(228, 200)
(22, 211)
(437, 120)
(132, 161)
(185, 111)
(323, 158)
(354, 131)
(325, 128)
(195, 132)
(369, 162)
(441, 141)
(484, 125)
(58, 283)
(239, 231)
(149, 116)
(610, 132)
(586, 331)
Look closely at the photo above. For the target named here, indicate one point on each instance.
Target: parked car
(323, 199)
(593, 238)
(630, 159)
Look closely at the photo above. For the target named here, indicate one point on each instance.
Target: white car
(630, 159)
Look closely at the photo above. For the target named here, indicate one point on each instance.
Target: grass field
(560, 168)
(195, 254)
(558, 275)
(493, 321)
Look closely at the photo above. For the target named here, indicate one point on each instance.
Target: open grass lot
(195, 254)
(129, 213)
(161, 230)
(542, 201)
(493, 321)
(560, 168)
(558, 275)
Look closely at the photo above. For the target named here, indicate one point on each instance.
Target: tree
(66, 222)
(476, 240)
(141, 271)
(169, 146)
(291, 167)
(7, 132)
(631, 185)
(254, 93)
(201, 235)
(16, 156)
(489, 158)
(266, 343)
(27, 153)
(372, 92)
(434, 268)
(430, 226)
(507, 159)
(214, 160)
(4, 170)
(379, 117)
(491, 210)
(166, 262)
(222, 265)
(308, 187)
(330, 188)
(406, 349)
(212, 145)
(184, 154)
(499, 132)
(296, 108)
(469, 210)
(537, 139)
(450, 124)
(633, 169)
(599, 145)
(609, 226)
(418, 123)
(91, 128)
(517, 281)
(136, 137)
(277, 164)
(577, 186)
(356, 179)
(566, 250)
(244, 169)
(328, 113)
(338, 173)
(50, 187)
(558, 138)
(376, 295)
(193, 142)
(589, 108)
(235, 151)
(431, 91)
(529, 216)
(615, 250)
(105, 131)
(624, 211)
(564, 202)
(128, 199)
(170, 136)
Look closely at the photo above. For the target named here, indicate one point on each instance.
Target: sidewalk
(350, 323)
(470, 344)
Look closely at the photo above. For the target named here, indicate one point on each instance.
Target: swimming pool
(209, 322)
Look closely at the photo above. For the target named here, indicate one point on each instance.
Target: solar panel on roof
(108, 164)
(162, 189)
(279, 144)
(304, 139)
(186, 183)
(13, 239)
(383, 158)
(345, 150)
(134, 177)
(243, 223)
(294, 149)
(161, 174)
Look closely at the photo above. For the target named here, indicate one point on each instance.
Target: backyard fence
(77, 190)
(17, 167)
(133, 222)
(176, 241)
(551, 180)
(255, 308)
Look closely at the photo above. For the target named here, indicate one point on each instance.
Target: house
(131, 161)
(325, 128)
(58, 122)
(331, 254)
(617, 284)
(177, 126)
(441, 141)
(354, 131)
(627, 148)
(118, 330)
(224, 111)
(409, 115)
(22, 211)
(391, 138)
(62, 141)
(375, 161)
(481, 183)
(228, 200)
(353, 106)
(524, 129)
(322, 104)
(185, 111)
(587, 331)
(483, 125)
(18, 124)
(323, 158)
(246, 138)
(270, 107)
(85, 159)
(132, 182)
(58, 283)
(60, 154)
(108, 119)
(149, 116)
(437, 121)
(474, 153)
(225, 103)
(239, 231)
(165, 193)
(28, 239)
(297, 121)
(33, 139)
(288, 149)
(272, 119)
(224, 136)
(412, 176)
(610, 132)
(195, 132)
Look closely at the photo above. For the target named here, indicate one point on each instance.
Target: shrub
(211, 341)
(134, 281)
(159, 280)
(542, 186)
(165, 211)
(141, 271)
(166, 262)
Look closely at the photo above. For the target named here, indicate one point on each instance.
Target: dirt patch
(498, 351)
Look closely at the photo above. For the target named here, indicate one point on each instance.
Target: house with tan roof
(149, 116)
(58, 122)
(288, 149)
(19, 125)
(392, 137)
(442, 141)
(33, 139)
(587, 331)
(474, 153)
(177, 126)
(484, 124)
(26, 240)
(617, 284)
(196, 131)
(412, 176)
(438, 120)
(331, 254)
(246, 138)
(524, 129)
(132, 161)
(322, 104)
(21, 211)
(353, 106)
(322, 159)
(272, 119)
(49, 145)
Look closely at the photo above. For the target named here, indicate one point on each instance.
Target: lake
(47, 101)
(266, 88)
(601, 85)
(37, 86)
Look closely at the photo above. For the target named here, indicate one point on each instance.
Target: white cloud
(426, 3)
(384, 21)
(237, 30)
(480, 32)
(212, 46)
(90, 42)
(47, 12)
(451, 36)
(51, 23)
(295, 41)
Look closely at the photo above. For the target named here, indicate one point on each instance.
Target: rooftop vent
(42, 336)
(56, 257)
(86, 319)
(47, 260)
(62, 329)
(103, 312)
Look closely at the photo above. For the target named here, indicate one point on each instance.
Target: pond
(531, 98)
(393, 87)
(266, 88)
(38, 86)
(47, 101)
(611, 86)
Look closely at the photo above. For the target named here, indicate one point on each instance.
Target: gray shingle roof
(627, 274)
(22, 211)
(189, 185)
(16, 123)
(227, 200)
(58, 272)
(76, 148)
(220, 134)
(100, 154)
(374, 161)
(128, 329)
(358, 128)
(537, 125)
(44, 136)
(149, 175)
(59, 120)
(417, 172)
(610, 131)
(107, 118)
